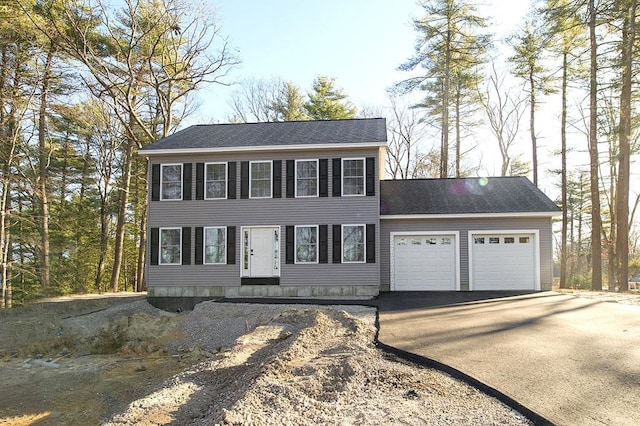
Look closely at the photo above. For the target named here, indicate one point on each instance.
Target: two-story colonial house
(299, 209)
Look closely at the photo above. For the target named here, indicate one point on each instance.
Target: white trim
(468, 215)
(295, 179)
(242, 256)
(295, 244)
(536, 249)
(364, 243)
(270, 179)
(172, 228)
(456, 249)
(162, 165)
(364, 177)
(226, 180)
(298, 147)
(204, 245)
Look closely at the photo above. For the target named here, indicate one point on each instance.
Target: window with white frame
(306, 178)
(353, 243)
(307, 244)
(215, 245)
(353, 176)
(171, 182)
(215, 181)
(170, 246)
(260, 179)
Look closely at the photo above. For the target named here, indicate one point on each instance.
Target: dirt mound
(221, 363)
(313, 366)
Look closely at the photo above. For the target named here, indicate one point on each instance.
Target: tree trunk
(142, 249)
(122, 215)
(43, 161)
(458, 138)
(596, 220)
(444, 148)
(532, 130)
(624, 152)
(563, 172)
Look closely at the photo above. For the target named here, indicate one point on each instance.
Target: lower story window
(353, 243)
(215, 245)
(170, 246)
(307, 244)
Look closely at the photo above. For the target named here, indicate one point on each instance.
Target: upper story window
(306, 178)
(170, 246)
(171, 182)
(215, 181)
(260, 173)
(215, 245)
(353, 176)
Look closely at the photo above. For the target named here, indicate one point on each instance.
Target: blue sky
(359, 42)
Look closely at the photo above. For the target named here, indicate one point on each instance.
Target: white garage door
(424, 262)
(503, 261)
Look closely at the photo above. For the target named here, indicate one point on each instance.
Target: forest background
(84, 84)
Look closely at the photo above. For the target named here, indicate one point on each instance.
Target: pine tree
(326, 102)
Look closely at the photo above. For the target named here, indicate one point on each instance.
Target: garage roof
(272, 135)
(494, 195)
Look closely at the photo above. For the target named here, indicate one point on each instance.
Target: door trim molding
(243, 255)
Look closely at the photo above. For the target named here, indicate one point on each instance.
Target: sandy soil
(120, 361)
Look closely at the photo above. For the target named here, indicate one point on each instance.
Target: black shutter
(371, 176)
(155, 182)
(323, 165)
(186, 181)
(199, 248)
(231, 180)
(231, 245)
(186, 245)
(323, 244)
(199, 181)
(337, 177)
(371, 243)
(290, 244)
(155, 246)
(244, 179)
(337, 244)
(291, 178)
(277, 178)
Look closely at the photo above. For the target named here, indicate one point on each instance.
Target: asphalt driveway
(573, 361)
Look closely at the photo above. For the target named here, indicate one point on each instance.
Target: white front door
(261, 251)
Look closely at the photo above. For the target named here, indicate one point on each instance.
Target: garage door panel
(424, 262)
(503, 262)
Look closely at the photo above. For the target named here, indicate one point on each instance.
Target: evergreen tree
(326, 102)
(450, 50)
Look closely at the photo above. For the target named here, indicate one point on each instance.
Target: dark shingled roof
(211, 136)
(463, 196)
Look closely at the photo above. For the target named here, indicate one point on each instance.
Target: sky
(359, 42)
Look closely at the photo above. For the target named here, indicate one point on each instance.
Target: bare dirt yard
(120, 361)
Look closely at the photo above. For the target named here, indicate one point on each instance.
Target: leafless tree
(504, 111)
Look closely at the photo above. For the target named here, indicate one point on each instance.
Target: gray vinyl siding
(463, 226)
(268, 212)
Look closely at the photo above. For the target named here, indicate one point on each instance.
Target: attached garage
(502, 260)
(465, 234)
(425, 262)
